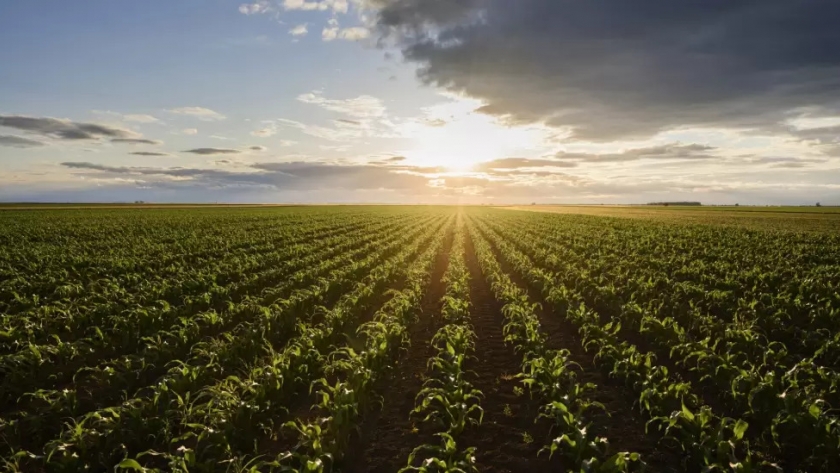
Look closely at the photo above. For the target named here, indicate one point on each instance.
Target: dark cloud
(349, 122)
(136, 141)
(18, 142)
(672, 152)
(514, 163)
(613, 68)
(148, 153)
(63, 129)
(284, 176)
(205, 151)
(391, 161)
(258, 148)
(781, 162)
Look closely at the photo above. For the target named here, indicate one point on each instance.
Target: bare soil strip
(508, 440)
(388, 436)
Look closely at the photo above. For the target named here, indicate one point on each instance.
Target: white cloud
(355, 33)
(363, 106)
(337, 6)
(128, 117)
(299, 30)
(258, 7)
(329, 34)
(332, 32)
(287, 143)
(198, 112)
(264, 132)
(140, 118)
(269, 129)
(189, 131)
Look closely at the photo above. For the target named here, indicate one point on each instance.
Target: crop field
(417, 339)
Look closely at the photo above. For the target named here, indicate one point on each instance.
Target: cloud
(363, 106)
(329, 33)
(206, 151)
(661, 153)
(610, 69)
(201, 113)
(337, 6)
(148, 153)
(305, 176)
(356, 33)
(778, 162)
(13, 141)
(516, 163)
(136, 141)
(258, 7)
(129, 117)
(64, 129)
(265, 132)
(189, 131)
(299, 30)
(348, 122)
(258, 148)
(344, 132)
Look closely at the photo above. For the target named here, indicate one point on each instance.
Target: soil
(389, 435)
(620, 422)
(508, 439)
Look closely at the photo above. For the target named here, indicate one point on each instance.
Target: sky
(420, 101)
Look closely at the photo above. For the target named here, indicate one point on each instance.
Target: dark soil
(389, 435)
(508, 439)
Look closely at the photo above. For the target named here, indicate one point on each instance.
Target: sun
(463, 138)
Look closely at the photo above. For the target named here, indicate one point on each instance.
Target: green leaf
(130, 464)
(687, 413)
(740, 428)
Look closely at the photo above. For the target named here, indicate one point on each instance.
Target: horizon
(420, 102)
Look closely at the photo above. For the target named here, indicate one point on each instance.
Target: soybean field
(417, 339)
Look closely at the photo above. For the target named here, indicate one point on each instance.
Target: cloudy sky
(496, 101)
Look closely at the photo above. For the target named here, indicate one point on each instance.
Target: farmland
(430, 339)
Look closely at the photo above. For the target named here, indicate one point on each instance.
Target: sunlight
(454, 136)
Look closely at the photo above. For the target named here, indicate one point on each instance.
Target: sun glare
(457, 138)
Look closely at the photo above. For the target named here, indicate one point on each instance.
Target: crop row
(551, 376)
(448, 399)
(347, 391)
(182, 400)
(785, 406)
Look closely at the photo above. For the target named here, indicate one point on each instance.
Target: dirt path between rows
(508, 440)
(389, 435)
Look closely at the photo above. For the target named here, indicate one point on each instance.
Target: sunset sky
(420, 101)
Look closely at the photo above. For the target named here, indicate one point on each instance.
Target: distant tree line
(675, 203)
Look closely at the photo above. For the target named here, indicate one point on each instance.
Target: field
(437, 339)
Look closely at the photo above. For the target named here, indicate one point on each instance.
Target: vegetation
(268, 339)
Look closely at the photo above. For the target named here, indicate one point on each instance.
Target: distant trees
(666, 204)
